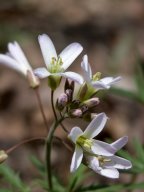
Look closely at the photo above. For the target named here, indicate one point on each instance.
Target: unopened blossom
(95, 80)
(3, 156)
(57, 64)
(108, 166)
(16, 60)
(84, 142)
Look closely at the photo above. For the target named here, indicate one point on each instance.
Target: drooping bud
(75, 113)
(3, 156)
(62, 101)
(33, 80)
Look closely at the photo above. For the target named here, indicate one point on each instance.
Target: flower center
(56, 65)
(96, 77)
(84, 142)
(102, 160)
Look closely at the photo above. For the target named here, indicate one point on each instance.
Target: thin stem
(52, 102)
(48, 151)
(63, 142)
(63, 127)
(24, 142)
(41, 108)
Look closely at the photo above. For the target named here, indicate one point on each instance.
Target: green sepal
(54, 81)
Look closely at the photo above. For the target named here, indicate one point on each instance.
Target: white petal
(72, 76)
(86, 69)
(9, 62)
(110, 80)
(95, 126)
(75, 133)
(17, 53)
(70, 53)
(118, 144)
(110, 173)
(47, 48)
(41, 72)
(105, 83)
(99, 85)
(118, 163)
(76, 159)
(107, 172)
(93, 163)
(102, 148)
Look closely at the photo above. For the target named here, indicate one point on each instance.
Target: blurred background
(112, 34)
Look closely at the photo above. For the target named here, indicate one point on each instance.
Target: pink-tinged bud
(75, 113)
(62, 101)
(33, 80)
(3, 156)
(91, 103)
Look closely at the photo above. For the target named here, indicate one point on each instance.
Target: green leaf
(38, 164)
(113, 188)
(139, 150)
(76, 178)
(13, 179)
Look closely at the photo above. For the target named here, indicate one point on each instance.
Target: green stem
(52, 102)
(48, 152)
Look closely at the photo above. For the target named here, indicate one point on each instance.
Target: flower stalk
(48, 151)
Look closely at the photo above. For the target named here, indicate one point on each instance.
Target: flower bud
(75, 104)
(75, 113)
(33, 80)
(69, 94)
(91, 103)
(62, 101)
(3, 156)
(69, 85)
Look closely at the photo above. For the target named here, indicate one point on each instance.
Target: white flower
(94, 80)
(16, 60)
(107, 166)
(84, 142)
(57, 64)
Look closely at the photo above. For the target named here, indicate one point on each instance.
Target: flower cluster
(97, 155)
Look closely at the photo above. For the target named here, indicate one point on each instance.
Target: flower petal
(41, 72)
(73, 76)
(74, 134)
(110, 173)
(47, 48)
(76, 159)
(118, 144)
(95, 126)
(118, 163)
(102, 148)
(86, 69)
(93, 164)
(10, 62)
(105, 83)
(17, 53)
(69, 54)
